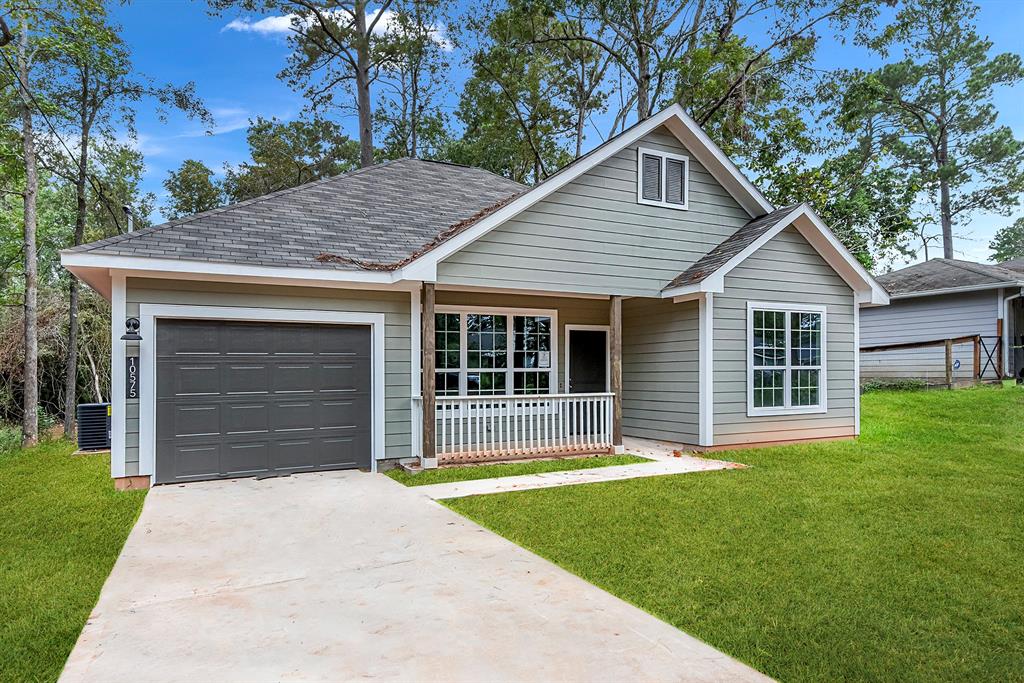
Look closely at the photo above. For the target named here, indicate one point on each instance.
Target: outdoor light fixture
(131, 326)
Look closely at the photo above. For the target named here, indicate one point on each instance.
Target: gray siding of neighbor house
(592, 236)
(660, 370)
(787, 270)
(571, 311)
(924, 319)
(397, 341)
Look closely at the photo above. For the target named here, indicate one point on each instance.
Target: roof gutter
(958, 290)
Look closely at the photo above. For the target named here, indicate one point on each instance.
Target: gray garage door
(239, 399)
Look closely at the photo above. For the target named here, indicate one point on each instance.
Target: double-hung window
(662, 178)
(494, 353)
(785, 359)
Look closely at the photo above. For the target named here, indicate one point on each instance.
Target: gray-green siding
(397, 339)
(786, 270)
(592, 236)
(660, 370)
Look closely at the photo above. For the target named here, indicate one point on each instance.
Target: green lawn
(448, 474)
(62, 526)
(898, 557)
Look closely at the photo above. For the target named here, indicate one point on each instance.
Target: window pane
(804, 389)
(532, 342)
(769, 388)
(805, 338)
(485, 383)
(447, 384)
(769, 338)
(486, 341)
(446, 338)
(652, 177)
(532, 383)
(675, 177)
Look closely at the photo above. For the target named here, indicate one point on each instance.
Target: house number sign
(131, 377)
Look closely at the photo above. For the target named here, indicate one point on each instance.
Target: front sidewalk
(344, 576)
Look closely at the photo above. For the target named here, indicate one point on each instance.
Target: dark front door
(588, 361)
(237, 399)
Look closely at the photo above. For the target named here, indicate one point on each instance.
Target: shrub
(901, 384)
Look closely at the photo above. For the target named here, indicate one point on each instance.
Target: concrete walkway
(343, 576)
(664, 461)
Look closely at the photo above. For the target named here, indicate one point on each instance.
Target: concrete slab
(344, 576)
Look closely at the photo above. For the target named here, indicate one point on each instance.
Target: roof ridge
(117, 239)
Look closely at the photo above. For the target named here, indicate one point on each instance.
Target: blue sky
(235, 72)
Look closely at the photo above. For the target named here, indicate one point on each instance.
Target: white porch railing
(474, 428)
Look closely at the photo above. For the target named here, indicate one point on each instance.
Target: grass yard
(445, 475)
(898, 557)
(62, 526)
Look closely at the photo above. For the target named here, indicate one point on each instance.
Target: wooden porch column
(615, 322)
(427, 345)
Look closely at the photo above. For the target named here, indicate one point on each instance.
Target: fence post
(949, 363)
(977, 357)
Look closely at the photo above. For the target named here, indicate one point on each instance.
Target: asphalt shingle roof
(710, 262)
(377, 217)
(941, 274)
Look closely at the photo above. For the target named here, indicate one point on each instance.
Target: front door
(588, 361)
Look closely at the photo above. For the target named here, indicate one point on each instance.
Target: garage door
(239, 399)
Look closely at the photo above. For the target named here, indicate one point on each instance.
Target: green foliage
(286, 154)
(62, 526)
(10, 438)
(933, 112)
(191, 189)
(899, 384)
(1008, 242)
(895, 557)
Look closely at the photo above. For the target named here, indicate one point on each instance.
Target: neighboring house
(947, 299)
(647, 290)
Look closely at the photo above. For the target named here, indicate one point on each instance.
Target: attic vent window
(662, 179)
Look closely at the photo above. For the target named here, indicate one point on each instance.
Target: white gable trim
(673, 118)
(804, 219)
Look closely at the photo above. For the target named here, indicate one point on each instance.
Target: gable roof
(943, 276)
(371, 218)
(708, 273)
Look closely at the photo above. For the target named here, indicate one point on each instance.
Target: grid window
(486, 341)
(787, 360)
(447, 383)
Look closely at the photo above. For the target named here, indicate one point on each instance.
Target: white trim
(415, 365)
(959, 290)
(868, 291)
(550, 293)
(118, 403)
(150, 313)
(510, 370)
(706, 367)
(674, 118)
(787, 308)
(607, 353)
(663, 202)
(856, 367)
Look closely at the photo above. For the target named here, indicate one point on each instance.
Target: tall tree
(191, 189)
(286, 154)
(937, 105)
(95, 89)
(1008, 242)
(338, 48)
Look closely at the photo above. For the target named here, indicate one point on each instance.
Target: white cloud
(281, 25)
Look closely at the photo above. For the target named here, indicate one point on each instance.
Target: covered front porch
(508, 377)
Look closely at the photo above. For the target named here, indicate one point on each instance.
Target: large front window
(786, 359)
(493, 354)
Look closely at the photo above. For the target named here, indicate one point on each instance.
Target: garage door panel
(237, 399)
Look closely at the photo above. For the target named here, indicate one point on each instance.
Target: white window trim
(149, 314)
(787, 308)
(640, 152)
(510, 370)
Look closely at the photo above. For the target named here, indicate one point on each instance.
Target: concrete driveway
(343, 576)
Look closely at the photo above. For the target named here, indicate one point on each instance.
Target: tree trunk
(363, 102)
(71, 367)
(30, 417)
(944, 205)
